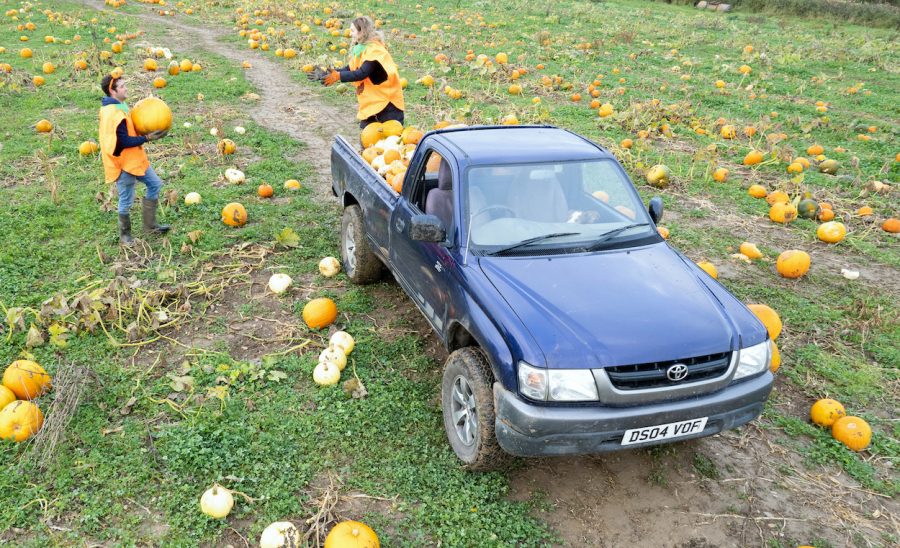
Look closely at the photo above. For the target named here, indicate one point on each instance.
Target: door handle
(400, 225)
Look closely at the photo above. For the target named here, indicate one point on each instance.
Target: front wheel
(361, 265)
(467, 402)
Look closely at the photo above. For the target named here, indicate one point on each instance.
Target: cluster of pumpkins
(333, 359)
(217, 502)
(853, 432)
(20, 417)
(388, 148)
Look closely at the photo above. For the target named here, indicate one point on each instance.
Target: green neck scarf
(357, 50)
(123, 107)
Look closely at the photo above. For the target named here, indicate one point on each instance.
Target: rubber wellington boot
(149, 218)
(125, 230)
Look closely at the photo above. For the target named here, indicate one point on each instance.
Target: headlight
(572, 385)
(557, 384)
(754, 360)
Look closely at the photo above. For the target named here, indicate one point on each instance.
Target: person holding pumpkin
(124, 159)
(372, 71)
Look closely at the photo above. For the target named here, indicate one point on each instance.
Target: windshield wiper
(530, 241)
(598, 243)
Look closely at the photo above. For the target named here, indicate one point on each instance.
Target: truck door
(423, 268)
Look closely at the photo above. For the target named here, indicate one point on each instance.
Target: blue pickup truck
(571, 325)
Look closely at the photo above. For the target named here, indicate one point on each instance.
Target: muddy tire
(360, 264)
(467, 402)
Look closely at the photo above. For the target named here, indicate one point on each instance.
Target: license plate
(664, 431)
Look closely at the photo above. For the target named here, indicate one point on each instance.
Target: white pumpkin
(343, 340)
(281, 534)
(234, 176)
(279, 283)
(335, 355)
(329, 266)
(326, 374)
(216, 502)
(239, 130)
(378, 162)
(192, 198)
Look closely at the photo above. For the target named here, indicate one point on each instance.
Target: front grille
(653, 375)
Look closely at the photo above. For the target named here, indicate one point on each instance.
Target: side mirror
(426, 228)
(656, 209)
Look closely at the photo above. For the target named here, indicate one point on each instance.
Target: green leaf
(287, 238)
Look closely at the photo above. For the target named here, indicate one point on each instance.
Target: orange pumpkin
(864, 211)
(226, 146)
(234, 214)
(391, 128)
(826, 411)
(831, 232)
(396, 181)
(853, 432)
(371, 134)
(7, 396)
(81, 64)
(150, 65)
(826, 214)
(891, 225)
(265, 191)
(753, 158)
(663, 231)
(174, 69)
(757, 191)
(43, 126)
(709, 268)
(26, 379)
(769, 319)
(319, 313)
(720, 175)
(87, 148)
(777, 196)
(151, 114)
(782, 213)
(159, 82)
(292, 184)
(793, 263)
(776, 358)
(411, 136)
(815, 150)
(352, 534)
(20, 420)
(750, 250)
(728, 132)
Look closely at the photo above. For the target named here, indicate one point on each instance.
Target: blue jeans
(126, 182)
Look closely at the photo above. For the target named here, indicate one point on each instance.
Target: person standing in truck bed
(373, 73)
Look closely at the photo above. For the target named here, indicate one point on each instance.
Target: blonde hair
(366, 31)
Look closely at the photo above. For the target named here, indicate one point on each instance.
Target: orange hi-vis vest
(373, 98)
(133, 159)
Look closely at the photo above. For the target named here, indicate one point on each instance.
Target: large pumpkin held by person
(151, 114)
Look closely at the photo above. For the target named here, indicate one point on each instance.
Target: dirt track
(741, 488)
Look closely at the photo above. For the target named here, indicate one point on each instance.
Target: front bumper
(528, 430)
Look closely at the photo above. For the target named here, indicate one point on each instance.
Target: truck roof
(514, 144)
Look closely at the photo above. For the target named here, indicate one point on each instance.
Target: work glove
(318, 74)
(332, 77)
(154, 135)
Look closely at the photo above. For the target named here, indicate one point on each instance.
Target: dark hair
(107, 84)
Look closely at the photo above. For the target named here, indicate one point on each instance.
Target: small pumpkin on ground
(20, 420)
(793, 263)
(826, 411)
(709, 268)
(891, 225)
(352, 534)
(319, 313)
(750, 250)
(658, 176)
(808, 208)
(757, 191)
(831, 232)
(769, 318)
(776, 358)
(26, 379)
(216, 502)
(853, 432)
(234, 214)
(782, 213)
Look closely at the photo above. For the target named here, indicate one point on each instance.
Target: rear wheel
(467, 402)
(361, 265)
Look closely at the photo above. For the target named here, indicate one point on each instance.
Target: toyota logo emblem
(677, 372)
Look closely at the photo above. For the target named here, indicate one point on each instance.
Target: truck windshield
(582, 205)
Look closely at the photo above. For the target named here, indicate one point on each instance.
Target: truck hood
(613, 308)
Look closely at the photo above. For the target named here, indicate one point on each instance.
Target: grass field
(194, 374)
